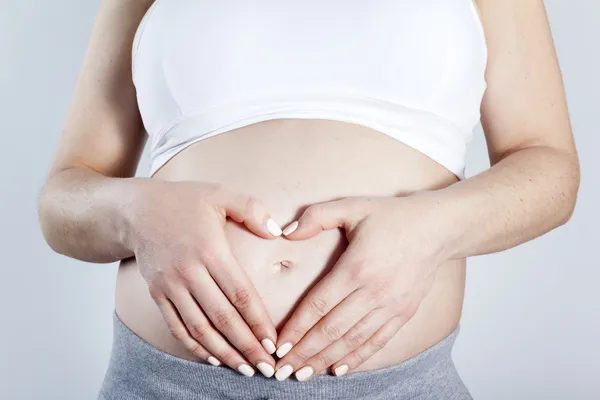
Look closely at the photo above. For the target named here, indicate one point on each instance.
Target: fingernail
(268, 345)
(304, 373)
(290, 228)
(273, 228)
(284, 349)
(283, 372)
(265, 369)
(214, 361)
(245, 369)
(341, 370)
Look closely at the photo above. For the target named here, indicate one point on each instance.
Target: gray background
(531, 325)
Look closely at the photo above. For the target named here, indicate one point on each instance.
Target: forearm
(86, 215)
(523, 196)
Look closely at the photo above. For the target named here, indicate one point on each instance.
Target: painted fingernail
(341, 370)
(268, 345)
(304, 373)
(290, 228)
(273, 228)
(214, 361)
(283, 372)
(245, 369)
(284, 349)
(265, 369)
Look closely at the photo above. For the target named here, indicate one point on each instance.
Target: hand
(375, 287)
(203, 294)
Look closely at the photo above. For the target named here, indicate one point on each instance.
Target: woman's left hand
(395, 246)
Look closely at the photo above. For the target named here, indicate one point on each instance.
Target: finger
(343, 213)
(200, 328)
(249, 211)
(376, 343)
(226, 319)
(178, 331)
(350, 341)
(237, 287)
(319, 301)
(328, 330)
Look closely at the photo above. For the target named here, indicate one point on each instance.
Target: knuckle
(358, 359)
(355, 338)
(382, 284)
(296, 331)
(312, 212)
(330, 332)
(410, 309)
(378, 297)
(198, 350)
(318, 307)
(323, 360)
(202, 247)
(356, 275)
(241, 299)
(223, 320)
(177, 332)
(209, 255)
(228, 357)
(188, 272)
(252, 206)
(380, 292)
(170, 286)
(199, 331)
(378, 343)
(250, 352)
(359, 272)
(155, 292)
(301, 355)
(256, 327)
(403, 307)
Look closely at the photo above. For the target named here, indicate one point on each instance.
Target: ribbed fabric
(139, 371)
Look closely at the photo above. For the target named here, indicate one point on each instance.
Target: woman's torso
(289, 164)
(253, 95)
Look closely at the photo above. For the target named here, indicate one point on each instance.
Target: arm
(91, 208)
(533, 183)
(371, 292)
(81, 205)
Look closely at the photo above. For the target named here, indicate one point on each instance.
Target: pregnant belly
(290, 164)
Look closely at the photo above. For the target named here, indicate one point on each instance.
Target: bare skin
(530, 189)
(283, 270)
(211, 280)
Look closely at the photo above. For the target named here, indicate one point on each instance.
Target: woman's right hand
(205, 297)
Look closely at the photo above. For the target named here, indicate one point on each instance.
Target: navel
(284, 264)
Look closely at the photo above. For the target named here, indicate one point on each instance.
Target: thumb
(249, 211)
(344, 213)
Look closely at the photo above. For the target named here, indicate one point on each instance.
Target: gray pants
(139, 371)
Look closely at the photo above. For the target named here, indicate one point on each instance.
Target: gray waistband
(138, 370)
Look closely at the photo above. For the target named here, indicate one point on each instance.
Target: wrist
(127, 212)
(445, 216)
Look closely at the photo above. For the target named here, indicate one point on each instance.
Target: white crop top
(410, 69)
